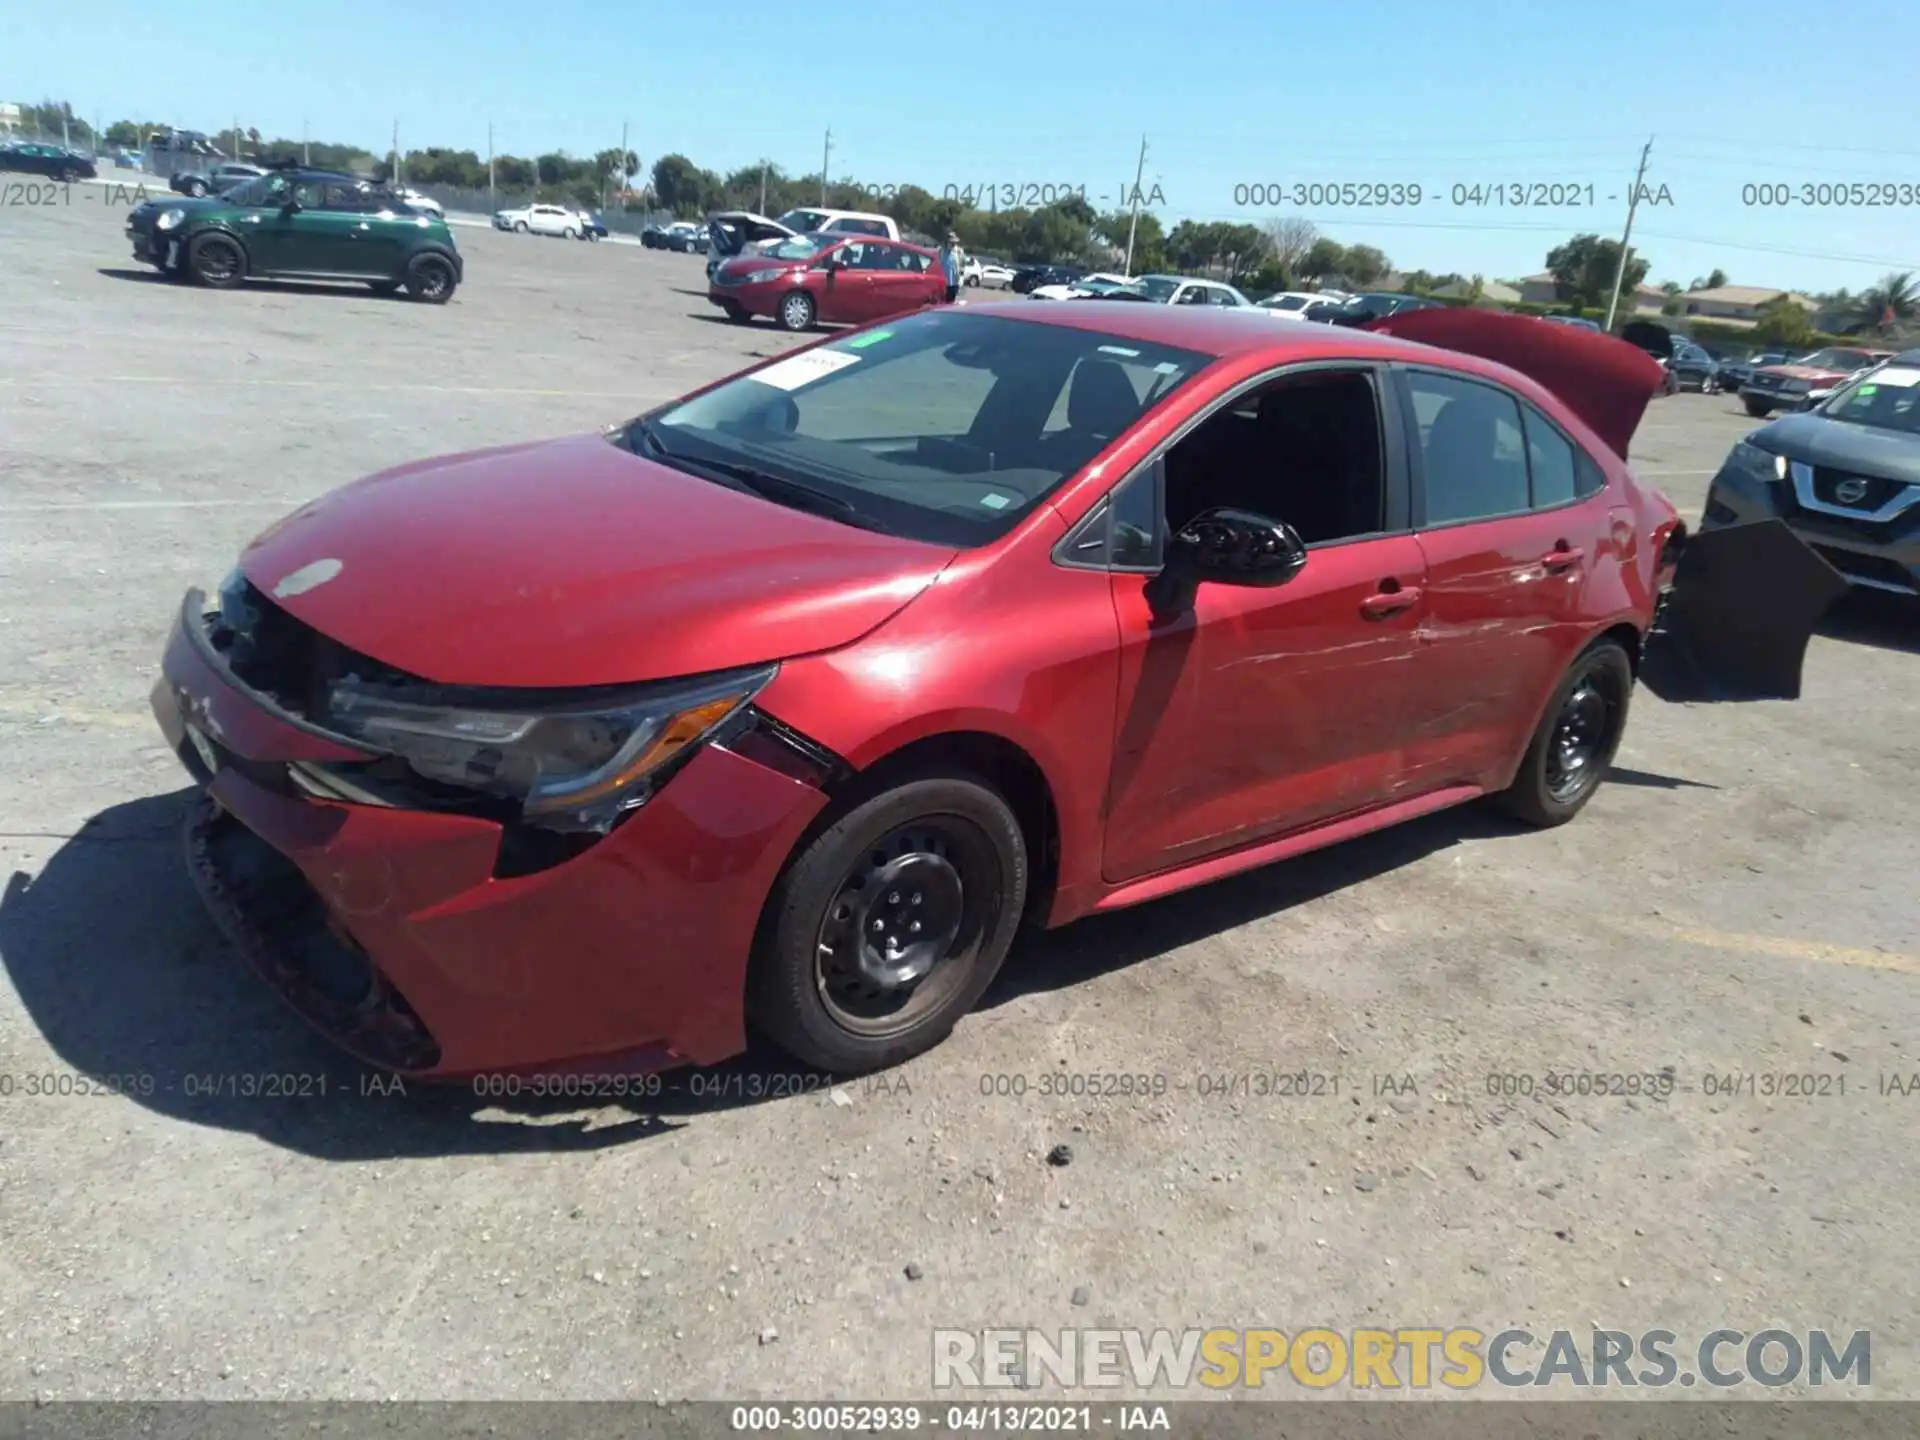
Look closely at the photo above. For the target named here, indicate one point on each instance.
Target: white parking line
(36, 507)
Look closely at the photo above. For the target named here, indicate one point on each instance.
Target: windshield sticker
(1167, 367)
(872, 337)
(1899, 375)
(1121, 351)
(996, 501)
(804, 369)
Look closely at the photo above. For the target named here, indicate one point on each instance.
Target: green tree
(1784, 323)
(677, 185)
(1584, 267)
(1324, 258)
(1366, 265)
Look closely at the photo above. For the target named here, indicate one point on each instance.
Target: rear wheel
(796, 311)
(1759, 409)
(1576, 738)
(430, 279)
(890, 925)
(216, 262)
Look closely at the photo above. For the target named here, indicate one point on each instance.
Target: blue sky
(1486, 92)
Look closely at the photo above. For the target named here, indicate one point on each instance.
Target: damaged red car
(782, 707)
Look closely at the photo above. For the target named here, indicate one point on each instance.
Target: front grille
(1877, 569)
(1826, 485)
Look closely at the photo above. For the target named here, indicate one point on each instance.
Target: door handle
(1390, 599)
(1563, 557)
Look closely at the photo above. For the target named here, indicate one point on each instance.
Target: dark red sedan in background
(783, 706)
(831, 279)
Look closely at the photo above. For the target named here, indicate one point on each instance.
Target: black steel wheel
(217, 262)
(887, 928)
(1576, 738)
(430, 280)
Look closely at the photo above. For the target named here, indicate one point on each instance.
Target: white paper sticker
(996, 501)
(1121, 351)
(1899, 376)
(804, 369)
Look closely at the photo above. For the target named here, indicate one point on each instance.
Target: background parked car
(1693, 368)
(592, 227)
(1574, 320)
(1804, 383)
(1180, 290)
(806, 220)
(838, 279)
(1095, 284)
(53, 161)
(213, 180)
(1373, 305)
(541, 220)
(1736, 373)
(1289, 303)
(990, 274)
(734, 232)
(421, 202)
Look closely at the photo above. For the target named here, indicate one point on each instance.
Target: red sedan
(835, 279)
(784, 705)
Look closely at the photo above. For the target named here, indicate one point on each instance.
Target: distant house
(1737, 304)
(1543, 289)
(1492, 292)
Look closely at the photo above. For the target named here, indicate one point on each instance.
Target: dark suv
(1029, 277)
(311, 224)
(1845, 476)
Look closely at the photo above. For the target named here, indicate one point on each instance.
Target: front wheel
(797, 311)
(520, 227)
(1576, 738)
(570, 233)
(216, 262)
(890, 925)
(430, 280)
(1759, 409)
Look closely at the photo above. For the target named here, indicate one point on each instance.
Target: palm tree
(1895, 299)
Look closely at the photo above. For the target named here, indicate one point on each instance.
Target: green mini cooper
(308, 224)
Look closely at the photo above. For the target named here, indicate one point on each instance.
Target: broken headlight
(575, 764)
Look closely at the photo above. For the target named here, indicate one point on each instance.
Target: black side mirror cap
(1239, 547)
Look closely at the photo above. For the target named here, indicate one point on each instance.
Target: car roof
(1221, 333)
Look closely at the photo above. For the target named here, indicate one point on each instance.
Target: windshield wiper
(737, 475)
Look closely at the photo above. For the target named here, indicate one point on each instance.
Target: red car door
(897, 284)
(845, 293)
(1512, 530)
(1253, 712)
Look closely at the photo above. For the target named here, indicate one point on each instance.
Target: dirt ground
(1739, 901)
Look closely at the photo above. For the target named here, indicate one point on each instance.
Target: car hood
(1842, 445)
(1604, 380)
(574, 562)
(1803, 372)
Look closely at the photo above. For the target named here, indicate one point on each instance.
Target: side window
(1137, 531)
(1221, 296)
(1304, 449)
(1588, 478)
(852, 256)
(1550, 461)
(875, 256)
(1192, 295)
(1473, 461)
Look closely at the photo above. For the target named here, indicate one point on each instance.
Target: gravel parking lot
(1740, 900)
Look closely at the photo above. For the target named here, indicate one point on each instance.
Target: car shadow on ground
(1880, 619)
(130, 983)
(345, 289)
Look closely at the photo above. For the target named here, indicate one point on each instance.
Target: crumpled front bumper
(390, 930)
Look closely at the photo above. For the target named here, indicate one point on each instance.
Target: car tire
(430, 280)
(1576, 739)
(570, 233)
(796, 311)
(71, 174)
(519, 227)
(1759, 409)
(973, 280)
(944, 847)
(736, 312)
(216, 261)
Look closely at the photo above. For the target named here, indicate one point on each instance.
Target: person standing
(951, 260)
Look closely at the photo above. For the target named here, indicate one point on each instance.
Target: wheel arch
(220, 229)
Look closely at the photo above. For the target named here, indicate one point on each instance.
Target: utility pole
(1633, 201)
(624, 177)
(306, 145)
(492, 203)
(66, 142)
(1133, 221)
(825, 153)
(763, 187)
(393, 173)
(236, 137)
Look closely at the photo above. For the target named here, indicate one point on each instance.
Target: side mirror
(1239, 547)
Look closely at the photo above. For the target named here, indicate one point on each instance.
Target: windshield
(1097, 286)
(800, 247)
(944, 426)
(1887, 399)
(1832, 359)
(1154, 287)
